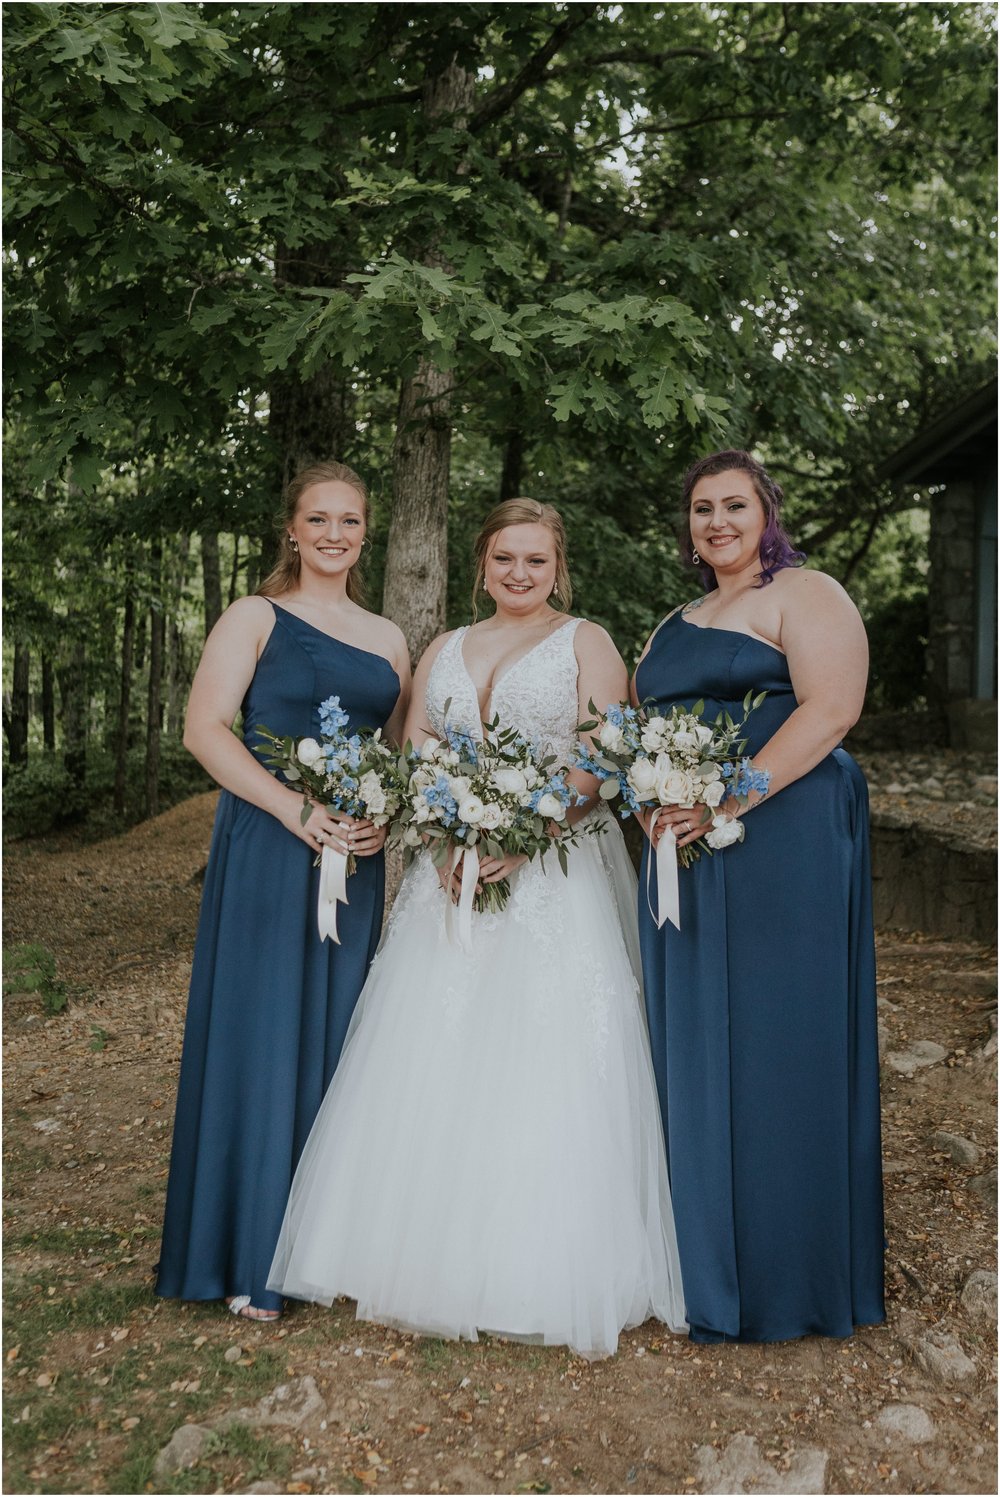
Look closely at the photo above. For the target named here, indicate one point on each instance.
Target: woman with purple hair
(761, 1005)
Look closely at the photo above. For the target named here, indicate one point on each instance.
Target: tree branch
(631, 54)
(534, 70)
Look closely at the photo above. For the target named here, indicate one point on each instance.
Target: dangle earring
(696, 558)
(293, 543)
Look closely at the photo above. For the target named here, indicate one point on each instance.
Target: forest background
(474, 251)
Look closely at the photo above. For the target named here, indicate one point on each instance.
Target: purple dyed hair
(776, 549)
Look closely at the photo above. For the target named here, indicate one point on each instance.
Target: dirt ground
(99, 1373)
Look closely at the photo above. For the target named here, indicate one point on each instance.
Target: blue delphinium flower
(332, 717)
(439, 794)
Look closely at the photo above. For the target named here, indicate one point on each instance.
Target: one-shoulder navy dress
(269, 1004)
(762, 1022)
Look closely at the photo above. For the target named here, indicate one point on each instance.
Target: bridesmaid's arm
(603, 680)
(827, 650)
(220, 683)
(416, 727)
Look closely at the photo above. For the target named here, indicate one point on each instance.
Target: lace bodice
(537, 694)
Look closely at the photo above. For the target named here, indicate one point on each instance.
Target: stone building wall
(952, 589)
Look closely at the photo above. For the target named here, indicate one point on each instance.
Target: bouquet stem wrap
(332, 890)
(668, 894)
(470, 877)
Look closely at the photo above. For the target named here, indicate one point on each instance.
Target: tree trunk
(16, 720)
(513, 466)
(211, 571)
(416, 564)
(416, 568)
(176, 664)
(72, 676)
(234, 575)
(151, 804)
(48, 703)
(310, 420)
(124, 695)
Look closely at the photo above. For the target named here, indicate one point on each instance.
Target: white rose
(703, 733)
(429, 747)
(551, 807)
(642, 776)
(370, 789)
(652, 735)
(509, 781)
(471, 810)
(685, 740)
(675, 789)
(611, 737)
(491, 818)
(421, 810)
(451, 758)
(725, 831)
(459, 785)
(412, 837)
(713, 792)
(308, 751)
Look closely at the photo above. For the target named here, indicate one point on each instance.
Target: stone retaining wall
(923, 881)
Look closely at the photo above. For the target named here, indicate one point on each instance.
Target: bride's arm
(416, 727)
(603, 680)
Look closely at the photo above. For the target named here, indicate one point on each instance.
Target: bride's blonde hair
(523, 512)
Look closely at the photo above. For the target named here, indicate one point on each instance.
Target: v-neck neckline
(498, 681)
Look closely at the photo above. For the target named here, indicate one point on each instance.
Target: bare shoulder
(593, 639)
(434, 649)
(801, 589)
(250, 615)
(386, 636)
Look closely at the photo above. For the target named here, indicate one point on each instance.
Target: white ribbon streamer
(332, 890)
(470, 877)
(668, 894)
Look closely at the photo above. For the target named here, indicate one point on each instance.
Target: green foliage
(40, 797)
(685, 227)
(31, 968)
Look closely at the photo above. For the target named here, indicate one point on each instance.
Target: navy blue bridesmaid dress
(269, 1004)
(762, 1023)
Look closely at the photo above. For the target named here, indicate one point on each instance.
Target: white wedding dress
(489, 1155)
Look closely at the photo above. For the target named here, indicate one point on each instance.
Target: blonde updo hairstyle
(523, 512)
(286, 572)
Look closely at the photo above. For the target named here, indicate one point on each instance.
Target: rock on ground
(907, 1422)
(921, 1053)
(959, 1150)
(741, 1463)
(940, 1354)
(979, 1296)
(184, 1449)
(985, 1185)
(291, 1405)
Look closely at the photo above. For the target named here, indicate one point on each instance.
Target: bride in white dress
(489, 1155)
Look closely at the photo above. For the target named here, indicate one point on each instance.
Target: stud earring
(696, 558)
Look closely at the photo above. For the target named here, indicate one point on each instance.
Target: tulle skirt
(489, 1155)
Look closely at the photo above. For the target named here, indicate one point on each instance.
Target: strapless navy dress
(762, 1021)
(269, 1004)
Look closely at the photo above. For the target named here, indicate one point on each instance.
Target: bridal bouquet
(647, 758)
(357, 774)
(494, 795)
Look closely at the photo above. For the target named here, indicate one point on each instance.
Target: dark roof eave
(929, 447)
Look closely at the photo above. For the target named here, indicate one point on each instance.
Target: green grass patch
(31, 968)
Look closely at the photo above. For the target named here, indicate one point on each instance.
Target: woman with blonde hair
(269, 1003)
(513, 1176)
